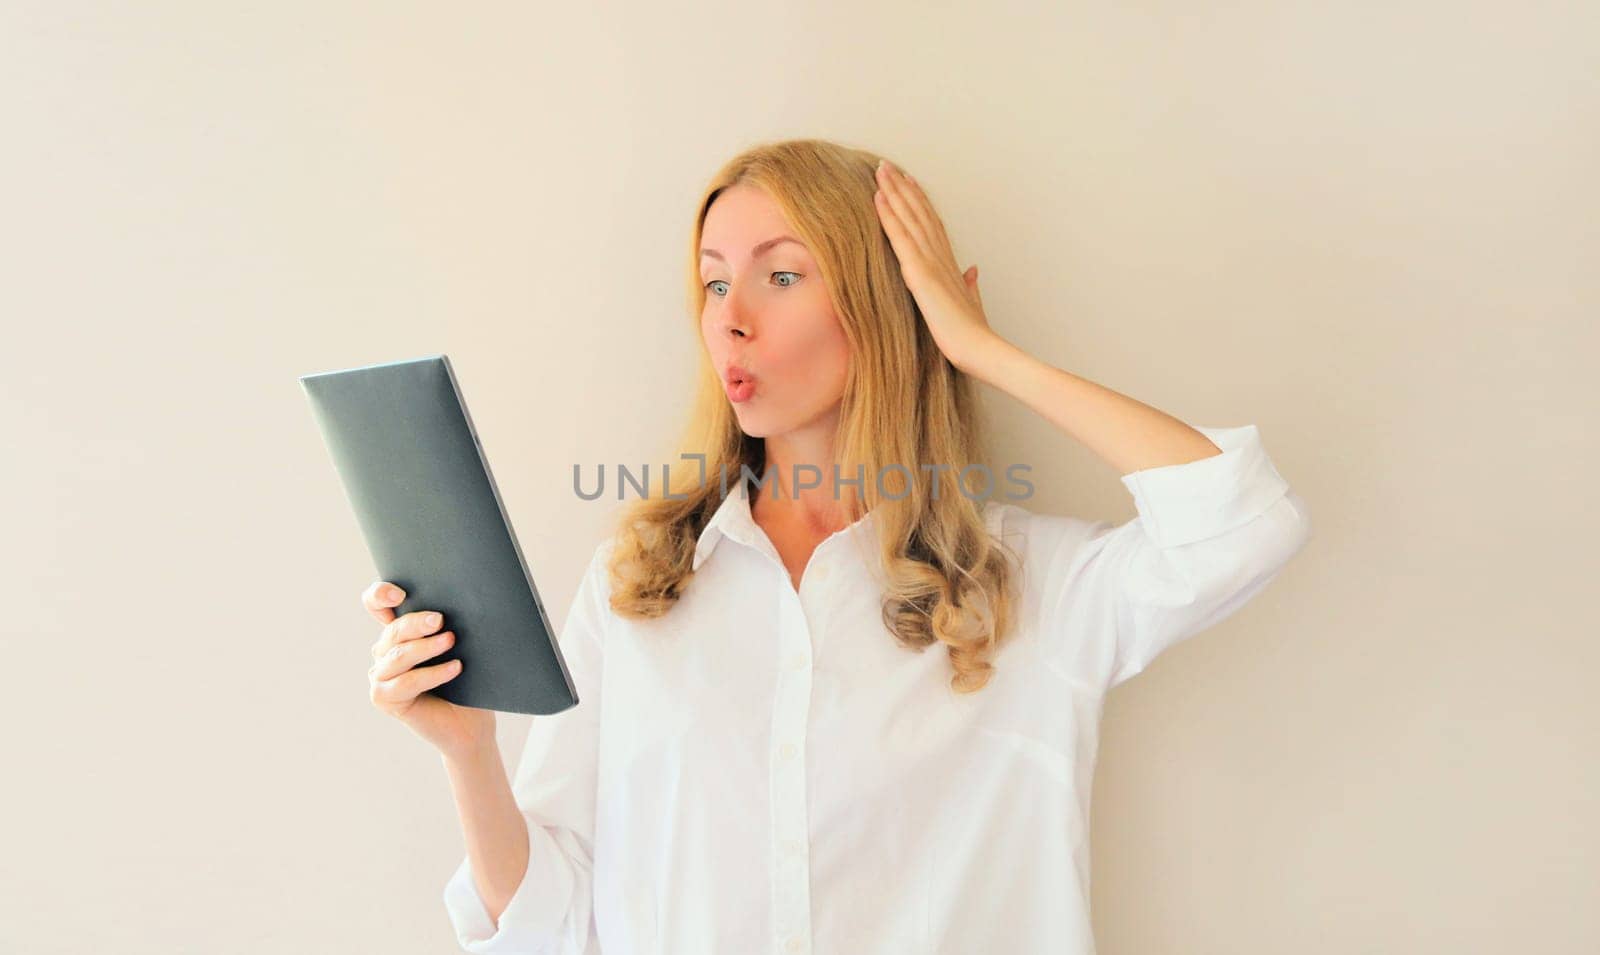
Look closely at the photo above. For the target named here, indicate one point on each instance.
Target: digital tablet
(414, 472)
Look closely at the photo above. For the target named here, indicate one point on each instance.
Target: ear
(970, 277)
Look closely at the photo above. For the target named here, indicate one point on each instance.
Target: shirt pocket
(1033, 716)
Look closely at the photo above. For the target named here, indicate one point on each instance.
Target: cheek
(837, 351)
(815, 349)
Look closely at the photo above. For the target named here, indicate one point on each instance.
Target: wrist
(985, 360)
(471, 754)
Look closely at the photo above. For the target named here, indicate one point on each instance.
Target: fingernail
(394, 594)
(432, 620)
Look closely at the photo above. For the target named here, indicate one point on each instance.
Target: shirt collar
(732, 519)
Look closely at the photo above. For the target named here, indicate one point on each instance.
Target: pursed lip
(736, 373)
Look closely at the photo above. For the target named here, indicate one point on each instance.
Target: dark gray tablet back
(414, 471)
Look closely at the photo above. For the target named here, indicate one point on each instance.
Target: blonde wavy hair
(945, 579)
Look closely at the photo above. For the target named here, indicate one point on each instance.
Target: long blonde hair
(944, 577)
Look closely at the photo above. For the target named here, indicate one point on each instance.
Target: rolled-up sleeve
(555, 787)
(1209, 535)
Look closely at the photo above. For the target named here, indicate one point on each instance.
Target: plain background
(1369, 229)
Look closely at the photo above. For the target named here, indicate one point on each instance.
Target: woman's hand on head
(947, 297)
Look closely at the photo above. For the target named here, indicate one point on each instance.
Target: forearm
(1127, 434)
(492, 825)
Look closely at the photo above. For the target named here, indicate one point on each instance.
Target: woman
(765, 758)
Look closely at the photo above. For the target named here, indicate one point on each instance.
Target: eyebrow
(755, 251)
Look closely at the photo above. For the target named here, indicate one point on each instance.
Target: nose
(734, 322)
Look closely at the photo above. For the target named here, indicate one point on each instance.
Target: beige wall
(1368, 229)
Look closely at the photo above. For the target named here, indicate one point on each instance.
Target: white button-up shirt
(765, 770)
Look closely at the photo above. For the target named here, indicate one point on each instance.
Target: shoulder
(593, 597)
(1042, 535)
(1056, 552)
(598, 572)
(600, 554)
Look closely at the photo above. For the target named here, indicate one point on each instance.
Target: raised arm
(1216, 521)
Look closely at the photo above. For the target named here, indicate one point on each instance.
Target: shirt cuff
(468, 914)
(1184, 503)
(537, 912)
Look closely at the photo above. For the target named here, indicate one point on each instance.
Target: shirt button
(822, 573)
(793, 846)
(797, 662)
(795, 943)
(787, 750)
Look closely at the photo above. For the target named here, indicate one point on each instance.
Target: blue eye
(796, 275)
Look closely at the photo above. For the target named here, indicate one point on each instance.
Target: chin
(754, 430)
(754, 424)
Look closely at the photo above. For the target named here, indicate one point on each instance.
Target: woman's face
(768, 312)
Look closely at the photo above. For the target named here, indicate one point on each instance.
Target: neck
(820, 506)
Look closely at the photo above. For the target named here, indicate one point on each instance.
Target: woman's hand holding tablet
(399, 683)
